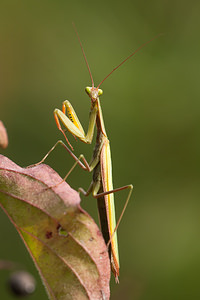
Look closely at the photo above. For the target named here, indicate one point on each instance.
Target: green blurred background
(151, 108)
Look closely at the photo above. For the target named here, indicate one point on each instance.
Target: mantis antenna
(88, 67)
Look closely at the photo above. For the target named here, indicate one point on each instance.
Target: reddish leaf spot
(49, 234)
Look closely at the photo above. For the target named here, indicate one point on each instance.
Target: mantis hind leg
(130, 187)
(94, 189)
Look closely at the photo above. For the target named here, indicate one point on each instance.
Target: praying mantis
(101, 186)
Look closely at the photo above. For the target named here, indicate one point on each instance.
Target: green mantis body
(101, 186)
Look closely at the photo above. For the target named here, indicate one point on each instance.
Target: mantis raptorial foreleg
(72, 123)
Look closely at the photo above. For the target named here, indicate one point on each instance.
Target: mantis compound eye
(100, 92)
(88, 90)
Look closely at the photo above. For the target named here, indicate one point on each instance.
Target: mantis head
(93, 93)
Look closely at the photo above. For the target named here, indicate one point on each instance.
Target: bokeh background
(151, 107)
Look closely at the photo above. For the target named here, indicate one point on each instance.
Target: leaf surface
(62, 239)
